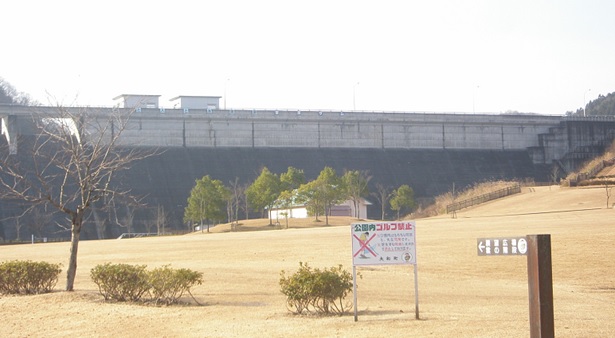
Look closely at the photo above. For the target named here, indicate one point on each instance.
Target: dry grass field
(460, 293)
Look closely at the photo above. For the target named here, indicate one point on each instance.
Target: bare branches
(74, 155)
(382, 195)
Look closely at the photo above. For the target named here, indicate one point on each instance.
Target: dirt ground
(460, 293)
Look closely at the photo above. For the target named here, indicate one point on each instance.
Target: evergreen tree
(403, 199)
(264, 191)
(355, 183)
(207, 201)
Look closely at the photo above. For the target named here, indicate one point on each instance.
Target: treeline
(602, 106)
(10, 95)
(211, 200)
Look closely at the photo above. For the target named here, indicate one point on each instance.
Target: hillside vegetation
(602, 106)
(598, 171)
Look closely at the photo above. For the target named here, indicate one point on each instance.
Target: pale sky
(483, 56)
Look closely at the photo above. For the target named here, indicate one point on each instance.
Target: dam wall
(430, 152)
(159, 127)
(317, 129)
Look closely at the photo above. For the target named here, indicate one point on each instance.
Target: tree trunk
(327, 210)
(72, 263)
(247, 209)
(100, 224)
(18, 226)
(77, 222)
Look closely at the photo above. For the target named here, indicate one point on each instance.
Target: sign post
(537, 248)
(384, 243)
(540, 281)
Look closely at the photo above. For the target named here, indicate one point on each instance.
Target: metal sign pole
(416, 291)
(354, 291)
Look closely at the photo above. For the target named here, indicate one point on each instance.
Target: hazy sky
(491, 56)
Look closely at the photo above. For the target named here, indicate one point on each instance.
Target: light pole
(354, 96)
(474, 100)
(225, 84)
(584, 103)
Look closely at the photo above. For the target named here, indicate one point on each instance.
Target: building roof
(134, 95)
(194, 97)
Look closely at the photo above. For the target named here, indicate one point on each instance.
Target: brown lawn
(460, 293)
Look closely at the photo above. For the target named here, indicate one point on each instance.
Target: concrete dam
(428, 151)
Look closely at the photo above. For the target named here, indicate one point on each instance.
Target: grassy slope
(460, 293)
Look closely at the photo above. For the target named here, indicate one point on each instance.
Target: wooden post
(540, 286)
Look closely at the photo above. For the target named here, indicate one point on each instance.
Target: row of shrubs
(307, 290)
(28, 277)
(124, 282)
(317, 291)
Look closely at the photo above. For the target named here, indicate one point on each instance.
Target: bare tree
(147, 226)
(39, 217)
(18, 225)
(244, 200)
(162, 219)
(236, 197)
(156, 218)
(127, 220)
(75, 155)
(100, 223)
(554, 175)
(382, 195)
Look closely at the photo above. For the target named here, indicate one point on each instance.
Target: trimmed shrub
(124, 282)
(168, 285)
(120, 282)
(28, 277)
(314, 290)
(298, 288)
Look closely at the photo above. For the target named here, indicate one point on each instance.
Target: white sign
(508, 246)
(383, 243)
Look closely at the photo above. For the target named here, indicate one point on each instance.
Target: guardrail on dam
(314, 129)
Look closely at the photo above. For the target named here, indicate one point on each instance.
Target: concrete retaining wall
(229, 128)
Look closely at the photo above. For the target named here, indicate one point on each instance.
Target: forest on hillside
(10, 95)
(602, 106)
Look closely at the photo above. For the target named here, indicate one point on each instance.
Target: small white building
(133, 101)
(196, 102)
(343, 209)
